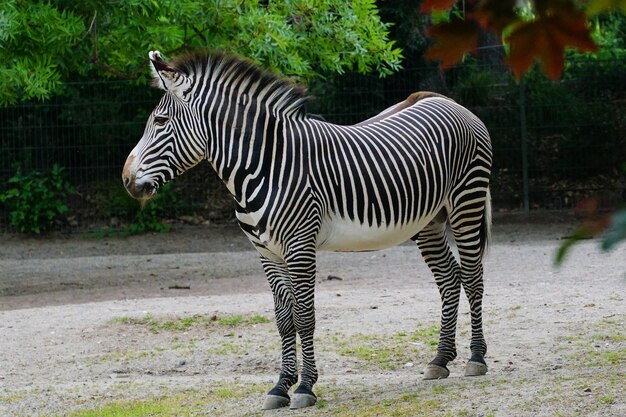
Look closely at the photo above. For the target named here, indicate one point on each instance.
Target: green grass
(225, 348)
(367, 353)
(186, 404)
(158, 324)
(13, 398)
(610, 338)
(604, 358)
(603, 347)
(389, 352)
(607, 399)
(404, 406)
(131, 409)
(238, 320)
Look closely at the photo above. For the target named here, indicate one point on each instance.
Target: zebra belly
(345, 235)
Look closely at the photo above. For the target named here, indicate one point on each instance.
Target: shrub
(143, 218)
(36, 199)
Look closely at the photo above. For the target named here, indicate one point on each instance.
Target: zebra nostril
(126, 181)
(148, 189)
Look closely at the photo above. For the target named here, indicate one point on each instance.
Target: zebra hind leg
(435, 250)
(471, 235)
(278, 278)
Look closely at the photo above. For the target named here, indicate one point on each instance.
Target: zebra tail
(485, 226)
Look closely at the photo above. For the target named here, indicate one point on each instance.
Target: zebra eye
(160, 120)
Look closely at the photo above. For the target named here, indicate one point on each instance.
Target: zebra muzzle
(140, 190)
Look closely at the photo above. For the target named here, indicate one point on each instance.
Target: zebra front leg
(302, 273)
(436, 252)
(280, 283)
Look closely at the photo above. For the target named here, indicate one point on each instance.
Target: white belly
(338, 234)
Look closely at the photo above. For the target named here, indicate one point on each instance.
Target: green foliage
(609, 33)
(616, 231)
(44, 44)
(34, 35)
(611, 232)
(146, 217)
(147, 220)
(36, 199)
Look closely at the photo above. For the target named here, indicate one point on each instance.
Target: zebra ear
(167, 77)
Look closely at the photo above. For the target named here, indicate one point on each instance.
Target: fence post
(524, 140)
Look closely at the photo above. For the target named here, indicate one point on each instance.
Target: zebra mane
(282, 94)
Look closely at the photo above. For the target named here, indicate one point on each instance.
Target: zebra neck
(249, 155)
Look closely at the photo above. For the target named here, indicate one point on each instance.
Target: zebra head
(170, 144)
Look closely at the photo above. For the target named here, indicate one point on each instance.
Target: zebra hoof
(302, 401)
(436, 372)
(273, 402)
(475, 368)
(303, 397)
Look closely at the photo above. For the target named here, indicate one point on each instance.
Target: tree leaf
(582, 233)
(546, 38)
(596, 7)
(612, 229)
(452, 41)
(495, 14)
(429, 5)
(616, 231)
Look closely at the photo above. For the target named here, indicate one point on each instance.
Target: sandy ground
(183, 323)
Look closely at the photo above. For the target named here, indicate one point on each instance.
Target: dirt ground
(181, 324)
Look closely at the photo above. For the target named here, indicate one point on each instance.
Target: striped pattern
(303, 185)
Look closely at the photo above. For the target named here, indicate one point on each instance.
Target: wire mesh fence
(554, 142)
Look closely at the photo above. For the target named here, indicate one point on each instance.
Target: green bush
(143, 218)
(36, 199)
(147, 220)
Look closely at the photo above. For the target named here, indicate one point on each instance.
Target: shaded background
(567, 138)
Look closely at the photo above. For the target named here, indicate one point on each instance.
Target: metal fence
(554, 142)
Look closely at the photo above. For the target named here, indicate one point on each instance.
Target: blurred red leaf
(429, 5)
(495, 14)
(546, 39)
(452, 40)
(594, 220)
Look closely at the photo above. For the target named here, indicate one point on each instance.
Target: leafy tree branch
(44, 44)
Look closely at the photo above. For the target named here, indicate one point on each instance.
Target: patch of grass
(590, 357)
(126, 355)
(607, 399)
(611, 337)
(604, 347)
(14, 398)
(321, 404)
(428, 335)
(186, 404)
(130, 409)
(389, 352)
(583, 393)
(367, 353)
(613, 358)
(439, 389)
(157, 324)
(238, 320)
(224, 393)
(226, 348)
(404, 406)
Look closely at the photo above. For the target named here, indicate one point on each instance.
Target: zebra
(418, 171)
